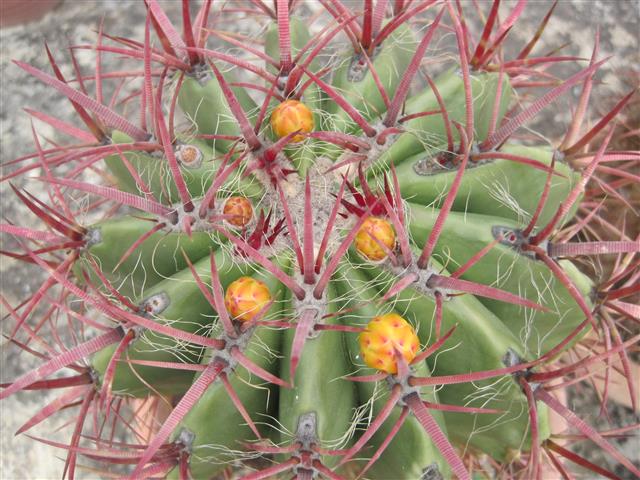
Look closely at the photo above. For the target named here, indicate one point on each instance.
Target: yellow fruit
(240, 208)
(380, 230)
(291, 116)
(382, 336)
(246, 297)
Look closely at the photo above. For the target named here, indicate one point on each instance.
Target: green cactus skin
(157, 258)
(389, 62)
(429, 133)
(486, 342)
(467, 233)
(411, 451)
(200, 96)
(157, 176)
(499, 187)
(332, 402)
(217, 439)
(183, 307)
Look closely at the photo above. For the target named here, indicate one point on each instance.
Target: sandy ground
(75, 22)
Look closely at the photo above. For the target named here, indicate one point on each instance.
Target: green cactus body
(411, 452)
(330, 403)
(204, 103)
(481, 341)
(428, 133)
(501, 188)
(156, 174)
(158, 257)
(356, 83)
(484, 349)
(509, 270)
(215, 441)
(176, 301)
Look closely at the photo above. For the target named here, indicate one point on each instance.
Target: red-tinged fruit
(382, 337)
(241, 210)
(246, 297)
(372, 235)
(292, 116)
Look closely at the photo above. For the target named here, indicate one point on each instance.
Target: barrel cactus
(330, 254)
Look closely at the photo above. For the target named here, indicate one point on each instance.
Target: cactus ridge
(334, 255)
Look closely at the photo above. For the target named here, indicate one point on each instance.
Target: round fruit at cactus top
(240, 208)
(246, 297)
(291, 116)
(373, 233)
(382, 336)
